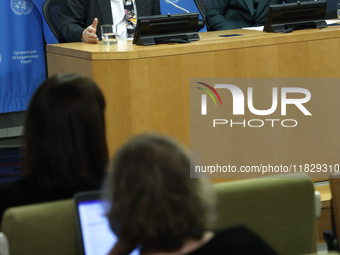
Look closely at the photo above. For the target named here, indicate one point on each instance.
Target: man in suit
(232, 14)
(80, 20)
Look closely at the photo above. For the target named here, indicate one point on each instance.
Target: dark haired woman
(155, 206)
(65, 147)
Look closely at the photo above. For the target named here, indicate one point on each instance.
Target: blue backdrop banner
(22, 59)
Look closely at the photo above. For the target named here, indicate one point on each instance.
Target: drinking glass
(109, 34)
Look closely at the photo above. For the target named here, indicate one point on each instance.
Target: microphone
(200, 25)
(200, 22)
(178, 7)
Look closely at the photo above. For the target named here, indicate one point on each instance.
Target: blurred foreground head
(154, 203)
(65, 142)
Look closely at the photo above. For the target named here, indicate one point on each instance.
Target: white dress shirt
(118, 15)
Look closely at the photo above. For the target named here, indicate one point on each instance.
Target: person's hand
(89, 34)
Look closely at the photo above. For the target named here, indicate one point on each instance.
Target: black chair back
(51, 9)
(332, 9)
(203, 6)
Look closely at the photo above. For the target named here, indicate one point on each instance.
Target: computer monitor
(295, 16)
(10, 163)
(177, 28)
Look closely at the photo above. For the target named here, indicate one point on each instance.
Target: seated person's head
(65, 142)
(155, 203)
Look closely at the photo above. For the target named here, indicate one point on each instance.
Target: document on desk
(332, 21)
(260, 28)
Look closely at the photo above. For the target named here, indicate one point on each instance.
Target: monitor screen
(177, 28)
(10, 163)
(295, 16)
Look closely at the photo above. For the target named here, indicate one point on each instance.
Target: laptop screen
(93, 229)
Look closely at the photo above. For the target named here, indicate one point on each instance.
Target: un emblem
(21, 7)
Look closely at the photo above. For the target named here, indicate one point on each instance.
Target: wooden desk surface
(210, 41)
(325, 193)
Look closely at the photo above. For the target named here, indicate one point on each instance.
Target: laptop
(93, 229)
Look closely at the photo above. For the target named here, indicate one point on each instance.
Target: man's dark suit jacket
(76, 15)
(232, 14)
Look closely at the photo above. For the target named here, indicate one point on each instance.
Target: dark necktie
(130, 17)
